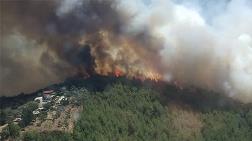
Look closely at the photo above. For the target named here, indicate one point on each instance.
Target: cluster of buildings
(48, 96)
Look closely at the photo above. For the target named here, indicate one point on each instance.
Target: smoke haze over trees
(205, 44)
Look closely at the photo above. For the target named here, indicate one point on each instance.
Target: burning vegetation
(45, 42)
(139, 69)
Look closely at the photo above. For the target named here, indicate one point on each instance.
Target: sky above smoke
(200, 43)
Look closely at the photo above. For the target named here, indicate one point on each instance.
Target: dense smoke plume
(207, 44)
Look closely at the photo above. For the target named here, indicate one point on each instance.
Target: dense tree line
(227, 126)
(46, 136)
(131, 113)
(124, 112)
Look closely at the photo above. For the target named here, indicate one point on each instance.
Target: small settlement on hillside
(49, 96)
(55, 111)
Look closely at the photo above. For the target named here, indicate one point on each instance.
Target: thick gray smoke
(206, 44)
(200, 43)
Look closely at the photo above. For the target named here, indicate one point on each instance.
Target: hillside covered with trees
(123, 111)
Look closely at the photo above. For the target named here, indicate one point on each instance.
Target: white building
(36, 112)
(60, 99)
(40, 101)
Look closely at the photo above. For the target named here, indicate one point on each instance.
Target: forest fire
(147, 75)
(153, 76)
(60, 39)
(118, 73)
(125, 70)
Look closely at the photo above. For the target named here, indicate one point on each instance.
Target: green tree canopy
(12, 130)
(3, 116)
(27, 115)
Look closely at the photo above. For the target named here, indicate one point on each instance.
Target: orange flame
(118, 72)
(121, 56)
(152, 76)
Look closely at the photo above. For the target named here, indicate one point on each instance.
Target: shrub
(12, 130)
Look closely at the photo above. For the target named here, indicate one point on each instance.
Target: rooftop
(48, 91)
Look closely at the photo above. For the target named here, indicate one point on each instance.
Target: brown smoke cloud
(47, 41)
(44, 42)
